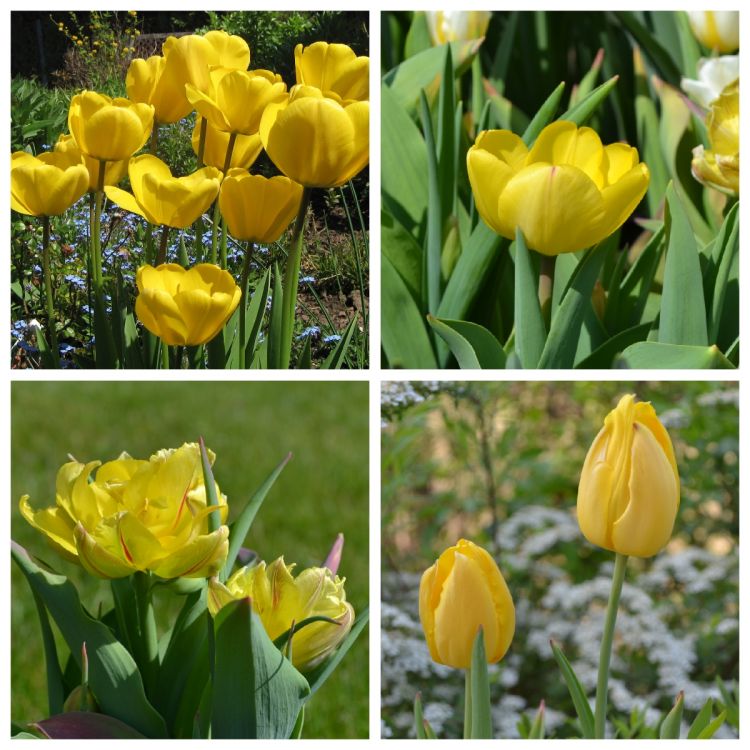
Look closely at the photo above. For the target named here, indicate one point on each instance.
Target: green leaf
(727, 247)
(241, 527)
(652, 354)
(85, 725)
(418, 717)
(55, 683)
(257, 693)
(682, 318)
(429, 731)
(670, 727)
(537, 728)
(583, 709)
(481, 718)
(275, 334)
(254, 314)
(418, 37)
(473, 346)
(338, 356)
(701, 720)
(713, 727)
(212, 496)
(445, 146)
(651, 46)
(581, 112)
(304, 362)
(602, 357)
(531, 333)
(113, 675)
(404, 253)
(281, 640)
(544, 115)
(298, 725)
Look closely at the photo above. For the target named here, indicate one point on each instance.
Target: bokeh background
(499, 463)
(250, 427)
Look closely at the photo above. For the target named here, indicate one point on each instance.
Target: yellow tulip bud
(316, 140)
(566, 193)
(185, 307)
(258, 209)
(280, 599)
(629, 491)
(163, 199)
(718, 30)
(333, 68)
(463, 591)
(246, 148)
(457, 25)
(46, 185)
(114, 171)
(136, 515)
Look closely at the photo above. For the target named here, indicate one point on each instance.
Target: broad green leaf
(727, 245)
(275, 333)
(602, 357)
(473, 346)
(481, 717)
(85, 725)
(544, 115)
(670, 727)
(55, 683)
(298, 725)
(652, 354)
(701, 720)
(418, 37)
(337, 357)
(446, 142)
(531, 333)
(581, 703)
(404, 253)
(581, 112)
(254, 315)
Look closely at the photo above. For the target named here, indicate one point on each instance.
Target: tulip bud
(717, 30)
(629, 491)
(462, 591)
(457, 25)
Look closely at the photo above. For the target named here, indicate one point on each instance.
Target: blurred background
(251, 427)
(499, 463)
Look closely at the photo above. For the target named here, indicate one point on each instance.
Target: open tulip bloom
(247, 648)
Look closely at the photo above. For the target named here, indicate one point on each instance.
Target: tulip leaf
(727, 244)
(55, 682)
(298, 725)
(254, 316)
(281, 641)
(105, 344)
(304, 361)
(659, 56)
(584, 109)
(419, 718)
(652, 354)
(603, 356)
(85, 725)
(445, 145)
(682, 318)
(257, 693)
(481, 717)
(275, 334)
(337, 357)
(404, 335)
(701, 720)
(544, 115)
(709, 731)
(473, 346)
(670, 727)
(113, 675)
(404, 253)
(241, 526)
(536, 732)
(418, 37)
(580, 701)
(531, 333)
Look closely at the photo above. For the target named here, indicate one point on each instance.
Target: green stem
(164, 356)
(215, 235)
(202, 141)
(146, 627)
(546, 278)
(199, 223)
(217, 215)
(291, 281)
(243, 300)
(467, 706)
(161, 256)
(48, 298)
(600, 714)
(154, 138)
(230, 149)
(97, 232)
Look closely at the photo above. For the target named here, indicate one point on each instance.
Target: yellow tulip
(258, 209)
(463, 591)
(457, 25)
(280, 599)
(719, 166)
(566, 193)
(316, 140)
(162, 199)
(246, 148)
(185, 307)
(114, 171)
(135, 515)
(109, 129)
(629, 491)
(333, 68)
(236, 102)
(718, 30)
(150, 82)
(46, 185)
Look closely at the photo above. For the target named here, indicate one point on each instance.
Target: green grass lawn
(250, 427)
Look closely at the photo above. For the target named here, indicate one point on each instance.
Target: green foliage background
(250, 427)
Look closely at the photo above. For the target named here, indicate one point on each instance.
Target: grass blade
(583, 709)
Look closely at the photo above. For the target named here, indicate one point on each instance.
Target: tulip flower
(566, 193)
(114, 171)
(185, 307)
(719, 30)
(457, 25)
(316, 140)
(109, 129)
(131, 515)
(245, 151)
(714, 75)
(281, 599)
(333, 68)
(719, 166)
(258, 209)
(463, 591)
(163, 199)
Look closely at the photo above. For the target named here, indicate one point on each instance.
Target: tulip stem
(48, 299)
(291, 281)
(243, 300)
(164, 355)
(215, 235)
(199, 223)
(467, 706)
(154, 138)
(161, 256)
(202, 141)
(600, 714)
(146, 627)
(230, 148)
(546, 277)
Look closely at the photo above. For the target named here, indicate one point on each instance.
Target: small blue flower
(307, 280)
(332, 339)
(310, 331)
(66, 349)
(75, 280)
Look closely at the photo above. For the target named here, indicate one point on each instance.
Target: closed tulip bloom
(237, 101)
(714, 75)
(333, 68)
(718, 30)
(281, 599)
(463, 591)
(148, 81)
(258, 209)
(316, 140)
(629, 491)
(162, 199)
(114, 171)
(131, 515)
(246, 149)
(109, 129)
(457, 25)
(566, 193)
(185, 306)
(46, 185)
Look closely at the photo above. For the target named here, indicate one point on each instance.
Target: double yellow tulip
(135, 515)
(114, 171)
(185, 307)
(334, 69)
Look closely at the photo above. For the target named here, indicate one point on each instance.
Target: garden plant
(560, 189)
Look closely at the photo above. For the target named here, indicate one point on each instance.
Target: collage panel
(560, 189)
(197, 572)
(560, 559)
(189, 189)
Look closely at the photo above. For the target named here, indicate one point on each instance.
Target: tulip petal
(55, 523)
(139, 546)
(202, 557)
(594, 491)
(158, 311)
(646, 415)
(207, 108)
(96, 559)
(622, 198)
(127, 202)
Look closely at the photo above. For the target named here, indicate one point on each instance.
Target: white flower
(457, 25)
(718, 30)
(714, 75)
(35, 325)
